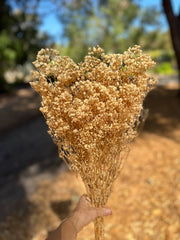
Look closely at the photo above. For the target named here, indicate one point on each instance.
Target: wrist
(74, 219)
(71, 221)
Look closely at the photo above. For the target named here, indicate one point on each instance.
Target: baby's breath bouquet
(92, 110)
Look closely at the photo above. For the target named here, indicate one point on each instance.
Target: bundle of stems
(93, 110)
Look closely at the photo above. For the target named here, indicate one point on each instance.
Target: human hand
(84, 213)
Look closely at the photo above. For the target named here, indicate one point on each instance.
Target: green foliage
(19, 38)
(164, 68)
(161, 55)
(164, 59)
(6, 52)
(112, 24)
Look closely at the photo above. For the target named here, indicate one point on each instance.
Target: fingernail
(108, 211)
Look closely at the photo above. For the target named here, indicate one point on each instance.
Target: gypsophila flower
(92, 110)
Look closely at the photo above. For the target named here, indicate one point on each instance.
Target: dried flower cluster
(92, 110)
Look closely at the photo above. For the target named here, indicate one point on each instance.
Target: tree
(19, 38)
(113, 24)
(6, 54)
(174, 25)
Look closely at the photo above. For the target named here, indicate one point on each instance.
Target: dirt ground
(145, 199)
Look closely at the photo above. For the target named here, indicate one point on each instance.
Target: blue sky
(52, 26)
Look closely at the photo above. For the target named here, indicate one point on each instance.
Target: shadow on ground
(27, 156)
(17, 108)
(61, 209)
(164, 112)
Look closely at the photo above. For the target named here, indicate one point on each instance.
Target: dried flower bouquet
(92, 110)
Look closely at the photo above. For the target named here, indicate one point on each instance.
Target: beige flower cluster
(92, 110)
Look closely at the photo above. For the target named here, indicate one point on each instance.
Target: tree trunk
(174, 25)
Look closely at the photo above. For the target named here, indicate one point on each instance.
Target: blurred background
(36, 189)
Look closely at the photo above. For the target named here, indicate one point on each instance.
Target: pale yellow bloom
(92, 110)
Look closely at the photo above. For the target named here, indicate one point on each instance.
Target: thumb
(101, 212)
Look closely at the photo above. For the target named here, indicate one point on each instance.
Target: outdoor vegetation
(114, 25)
